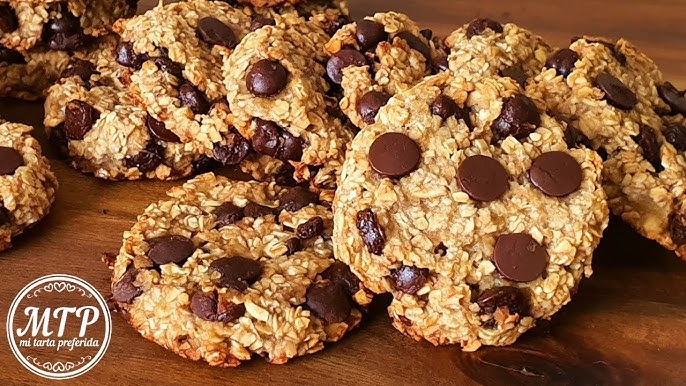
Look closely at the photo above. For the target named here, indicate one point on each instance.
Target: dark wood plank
(627, 325)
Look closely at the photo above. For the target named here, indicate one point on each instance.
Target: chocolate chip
(204, 305)
(342, 59)
(556, 173)
(369, 34)
(511, 298)
(394, 155)
(616, 93)
(443, 106)
(124, 291)
(293, 245)
(266, 78)
(255, 210)
(427, 33)
(10, 56)
(214, 32)
(575, 138)
(233, 152)
(203, 164)
(271, 140)
(519, 117)
(8, 19)
(676, 135)
(311, 228)
(478, 26)
(518, 257)
(169, 66)
(79, 118)
(328, 301)
(228, 312)
(194, 99)
(228, 214)
(147, 160)
(370, 231)
(237, 272)
(677, 228)
(10, 160)
(415, 43)
(409, 279)
(64, 33)
(170, 249)
(370, 104)
(482, 178)
(81, 68)
(340, 273)
(515, 73)
(673, 97)
(462, 114)
(127, 56)
(650, 147)
(440, 63)
(296, 198)
(261, 21)
(159, 131)
(563, 61)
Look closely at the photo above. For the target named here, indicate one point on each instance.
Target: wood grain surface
(627, 324)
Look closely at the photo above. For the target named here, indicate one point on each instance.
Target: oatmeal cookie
(28, 75)
(27, 185)
(92, 118)
(464, 201)
(58, 25)
(485, 47)
(622, 106)
(224, 269)
(270, 3)
(277, 92)
(378, 57)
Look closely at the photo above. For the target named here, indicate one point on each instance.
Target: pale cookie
(378, 57)
(277, 92)
(58, 25)
(28, 75)
(485, 47)
(92, 118)
(478, 232)
(224, 270)
(621, 104)
(27, 185)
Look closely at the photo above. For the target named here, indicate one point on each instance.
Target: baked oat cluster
(27, 185)
(224, 270)
(621, 105)
(37, 38)
(464, 201)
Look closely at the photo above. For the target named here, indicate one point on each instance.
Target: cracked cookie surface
(622, 106)
(464, 201)
(27, 185)
(223, 270)
(377, 57)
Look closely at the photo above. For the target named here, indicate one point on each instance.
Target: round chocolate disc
(10, 160)
(518, 257)
(616, 92)
(394, 155)
(482, 178)
(556, 173)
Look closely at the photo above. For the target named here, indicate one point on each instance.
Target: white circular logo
(59, 327)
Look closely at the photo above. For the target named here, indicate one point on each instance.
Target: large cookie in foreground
(224, 270)
(622, 106)
(465, 203)
(27, 185)
(377, 57)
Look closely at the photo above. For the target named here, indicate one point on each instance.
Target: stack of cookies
(471, 177)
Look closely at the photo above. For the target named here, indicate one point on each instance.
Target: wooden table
(626, 325)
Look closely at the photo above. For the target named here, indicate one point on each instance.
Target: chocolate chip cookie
(277, 92)
(58, 25)
(464, 201)
(621, 105)
(96, 123)
(28, 75)
(27, 185)
(224, 270)
(484, 47)
(378, 57)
